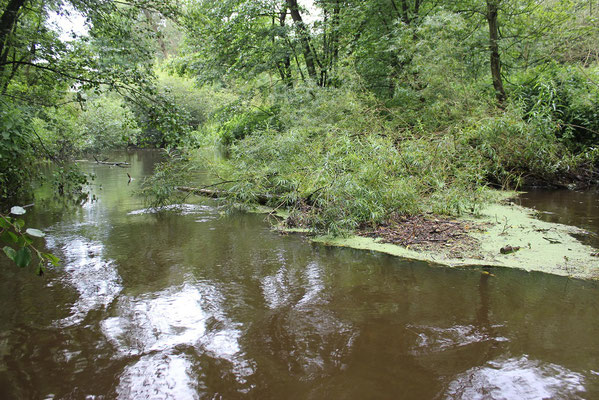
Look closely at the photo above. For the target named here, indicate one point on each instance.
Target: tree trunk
(7, 23)
(304, 37)
(492, 9)
(285, 65)
(405, 12)
(154, 26)
(334, 46)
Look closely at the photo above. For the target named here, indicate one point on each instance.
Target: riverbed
(191, 303)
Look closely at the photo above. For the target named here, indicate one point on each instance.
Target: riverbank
(503, 235)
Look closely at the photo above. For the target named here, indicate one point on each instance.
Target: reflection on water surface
(187, 304)
(517, 378)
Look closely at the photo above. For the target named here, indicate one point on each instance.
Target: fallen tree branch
(121, 164)
(203, 192)
(215, 193)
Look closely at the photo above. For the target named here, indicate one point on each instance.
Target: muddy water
(579, 208)
(189, 304)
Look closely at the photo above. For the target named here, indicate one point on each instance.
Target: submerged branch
(216, 194)
(121, 164)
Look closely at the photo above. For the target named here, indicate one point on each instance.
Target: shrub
(160, 189)
(338, 166)
(108, 123)
(569, 96)
(199, 103)
(17, 156)
(248, 122)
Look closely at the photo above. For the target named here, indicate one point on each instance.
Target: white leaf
(16, 210)
(35, 232)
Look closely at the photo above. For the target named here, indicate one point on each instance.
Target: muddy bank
(428, 233)
(504, 235)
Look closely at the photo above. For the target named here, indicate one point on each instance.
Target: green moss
(544, 246)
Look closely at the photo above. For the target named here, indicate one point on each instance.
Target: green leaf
(35, 232)
(9, 237)
(16, 210)
(23, 257)
(52, 258)
(5, 222)
(24, 241)
(20, 223)
(10, 252)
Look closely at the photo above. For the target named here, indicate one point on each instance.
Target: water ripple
(183, 209)
(517, 378)
(95, 278)
(166, 322)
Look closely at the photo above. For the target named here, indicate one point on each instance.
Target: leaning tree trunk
(284, 66)
(492, 10)
(304, 37)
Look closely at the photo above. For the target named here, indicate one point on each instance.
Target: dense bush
(199, 103)
(338, 165)
(338, 159)
(512, 151)
(61, 131)
(161, 188)
(108, 123)
(569, 96)
(17, 152)
(243, 123)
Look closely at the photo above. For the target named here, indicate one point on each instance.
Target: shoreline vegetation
(502, 234)
(354, 116)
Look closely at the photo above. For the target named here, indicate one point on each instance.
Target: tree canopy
(481, 78)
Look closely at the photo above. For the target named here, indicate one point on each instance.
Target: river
(191, 303)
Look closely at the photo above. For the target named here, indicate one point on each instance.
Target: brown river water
(191, 304)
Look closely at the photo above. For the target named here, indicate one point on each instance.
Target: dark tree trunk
(304, 37)
(492, 9)
(285, 65)
(405, 12)
(7, 23)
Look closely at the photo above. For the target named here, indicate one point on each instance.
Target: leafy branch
(19, 241)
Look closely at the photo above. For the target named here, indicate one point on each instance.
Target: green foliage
(163, 122)
(60, 130)
(242, 123)
(338, 165)
(568, 96)
(372, 108)
(108, 123)
(362, 110)
(199, 103)
(338, 160)
(68, 180)
(512, 152)
(161, 189)
(16, 153)
(45, 81)
(19, 242)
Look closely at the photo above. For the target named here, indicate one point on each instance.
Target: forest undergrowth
(341, 159)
